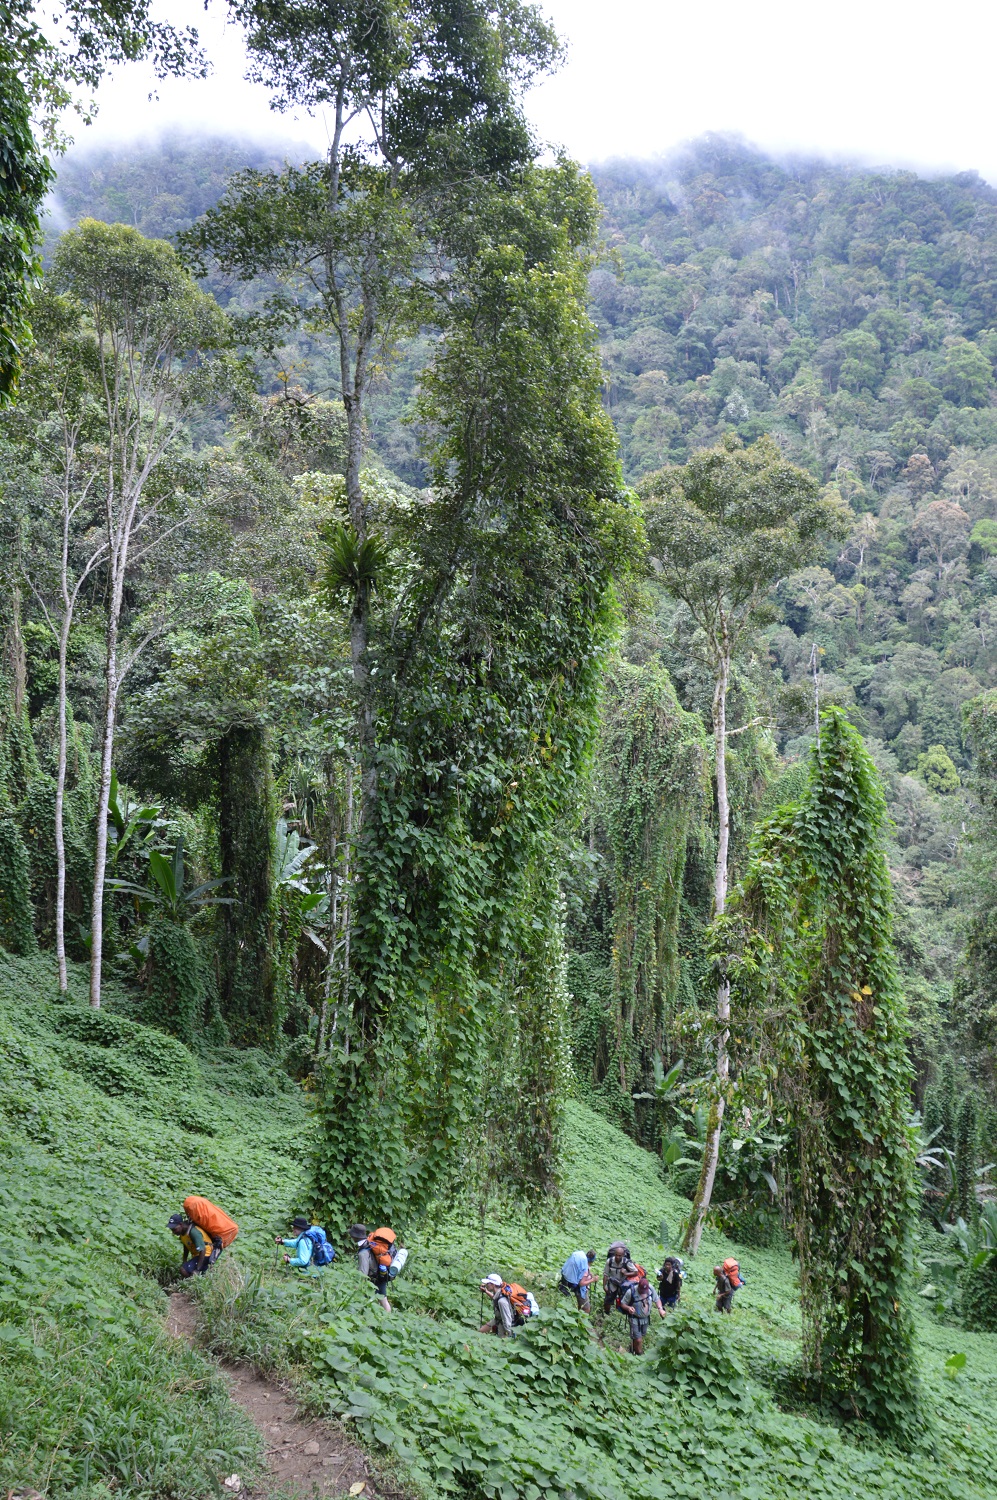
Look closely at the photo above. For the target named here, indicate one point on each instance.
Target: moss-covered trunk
(245, 827)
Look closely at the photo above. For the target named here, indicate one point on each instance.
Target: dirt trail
(306, 1458)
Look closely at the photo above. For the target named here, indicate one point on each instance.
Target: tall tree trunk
(60, 795)
(333, 924)
(347, 897)
(103, 802)
(711, 1155)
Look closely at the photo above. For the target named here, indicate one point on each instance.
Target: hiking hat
(357, 1233)
(300, 1222)
(176, 1222)
(493, 1279)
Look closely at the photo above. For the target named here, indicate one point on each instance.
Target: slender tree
(722, 531)
(154, 331)
(60, 410)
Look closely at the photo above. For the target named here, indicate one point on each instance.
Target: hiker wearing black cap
(670, 1279)
(618, 1268)
(312, 1251)
(198, 1252)
(636, 1301)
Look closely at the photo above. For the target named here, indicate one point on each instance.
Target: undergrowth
(106, 1124)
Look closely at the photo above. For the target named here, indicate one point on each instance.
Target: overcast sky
(867, 79)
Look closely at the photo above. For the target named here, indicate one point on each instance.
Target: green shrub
(979, 1297)
(695, 1357)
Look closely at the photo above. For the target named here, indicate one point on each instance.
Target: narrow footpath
(306, 1458)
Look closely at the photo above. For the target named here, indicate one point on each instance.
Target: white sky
(891, 83)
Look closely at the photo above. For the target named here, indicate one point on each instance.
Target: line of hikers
(205, 1230)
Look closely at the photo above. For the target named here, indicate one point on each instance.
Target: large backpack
(323, 1253)
(381, 1244)
(631, 1280)
(732, 1271)
(211, 1220)
(519, 1299)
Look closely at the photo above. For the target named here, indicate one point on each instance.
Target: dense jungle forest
(498, 727)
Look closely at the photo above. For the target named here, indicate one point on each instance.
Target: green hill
(107, 1123)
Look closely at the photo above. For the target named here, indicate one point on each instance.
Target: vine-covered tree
(722, 531)
(808, 948)
(651, 767)
(490, 678)
(422, 105)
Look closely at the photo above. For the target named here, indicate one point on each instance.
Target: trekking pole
(481, 1308)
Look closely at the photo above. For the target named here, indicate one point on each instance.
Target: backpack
(323, 1253)
(519, 1298)
(732, 1271)
(381, 1245)
(631, 1280)
(210, 1220)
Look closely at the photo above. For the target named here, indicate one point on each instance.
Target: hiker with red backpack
(618, 1268)
(379, 1257)
(729, 1280)
(635, 1302)
(513, 1305)
(312, 1251)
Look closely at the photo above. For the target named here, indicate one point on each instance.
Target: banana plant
(130, 822)
(290, 858)
(165, 892)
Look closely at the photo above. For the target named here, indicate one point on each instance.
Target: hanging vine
(651, 762)
(808, 947)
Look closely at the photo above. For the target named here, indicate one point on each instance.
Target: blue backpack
(322, 1251)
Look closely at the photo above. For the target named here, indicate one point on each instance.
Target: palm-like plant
(165, 892)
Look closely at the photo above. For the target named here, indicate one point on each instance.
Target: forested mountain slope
(849, 313)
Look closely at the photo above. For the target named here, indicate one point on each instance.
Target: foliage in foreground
(106, 1122)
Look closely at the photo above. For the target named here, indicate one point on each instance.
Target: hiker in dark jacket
(198, 1251)
(618, 1267)
(670, 1282)
(576, 1277)
(636, 1301)
(725, 1290)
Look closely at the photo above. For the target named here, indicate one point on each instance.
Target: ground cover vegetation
(442, 806)
(106, 1118)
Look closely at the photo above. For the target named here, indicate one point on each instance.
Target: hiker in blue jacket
(308, 1244)
(576, 1277)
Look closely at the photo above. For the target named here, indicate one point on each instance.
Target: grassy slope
(103, 1128)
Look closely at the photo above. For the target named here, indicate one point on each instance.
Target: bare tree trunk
(60, 793)
(103, 801)
(347, 902)
(711, 1155)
